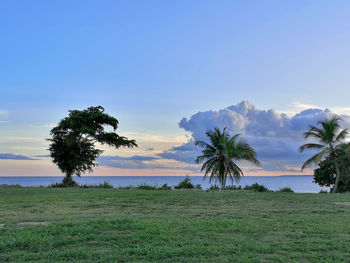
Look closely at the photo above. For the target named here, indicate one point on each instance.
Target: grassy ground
(110, 225)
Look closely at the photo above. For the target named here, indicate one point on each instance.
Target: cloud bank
(275, 136)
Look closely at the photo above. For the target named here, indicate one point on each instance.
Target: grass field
(111, 225)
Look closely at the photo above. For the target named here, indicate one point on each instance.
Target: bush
(165, 187)
(233, 187)
(286, 189)
(146, 187)
(198, 187)
(323, 192)
(11, 185)
(256, 188)
(64, 185)
(104, 185)
(185, 184)
(127, 187)
(213, 188)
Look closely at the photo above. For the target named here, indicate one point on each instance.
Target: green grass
(111, 225)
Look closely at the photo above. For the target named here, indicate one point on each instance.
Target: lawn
(113, 225)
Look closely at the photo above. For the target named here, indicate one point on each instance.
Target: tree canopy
(325, 173)
(73, 140)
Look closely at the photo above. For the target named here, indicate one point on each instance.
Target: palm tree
(220, 156)
(330, 136)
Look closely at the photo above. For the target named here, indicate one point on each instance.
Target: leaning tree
(73, 141)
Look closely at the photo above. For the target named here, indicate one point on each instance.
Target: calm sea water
(300, 184)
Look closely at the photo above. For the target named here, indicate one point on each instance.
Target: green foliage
(198, 187)
(256, 188)
(325, 173)
(214, 188)
(76, 185)
(73, 140)
(323, 192)
(65, 183)
(104, 185)
(233, 187)
(150, 187)
(146, 187)
(286, 189)
(185, 184)
(165, 187)
(221, 155)
(128, 187)
(329, 137)
(11, 185)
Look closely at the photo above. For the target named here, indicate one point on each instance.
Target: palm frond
(342, 135)
(310, 146)
(315, 159)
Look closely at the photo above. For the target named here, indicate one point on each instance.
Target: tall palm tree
(220, 156)
(330, 136)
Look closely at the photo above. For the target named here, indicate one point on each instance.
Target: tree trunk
(223, 184)
(337, 178)
(68, 181)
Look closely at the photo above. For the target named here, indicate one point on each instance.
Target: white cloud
(275, 136)
(3, 113)
(297, 107)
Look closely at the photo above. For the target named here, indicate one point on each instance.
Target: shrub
(146, 187)
(11, 185)
(213, 188)
(323, 192)
(127, 187)
(233, 187)
(105, 185)
(286, 189)
(63, 185)
(198, 187)
(165, 187)
(256, 188)
(185, 184)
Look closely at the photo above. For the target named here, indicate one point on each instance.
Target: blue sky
(152, 63)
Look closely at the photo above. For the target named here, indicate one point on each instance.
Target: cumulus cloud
(9, 156)
(275, 136)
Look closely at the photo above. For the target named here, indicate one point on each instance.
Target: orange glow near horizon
(44, 167)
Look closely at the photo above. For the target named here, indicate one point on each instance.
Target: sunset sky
(169, 71)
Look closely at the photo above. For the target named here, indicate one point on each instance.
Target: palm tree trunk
(337, 178)
(223, 184)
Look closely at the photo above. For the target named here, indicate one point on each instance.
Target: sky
(169, 71)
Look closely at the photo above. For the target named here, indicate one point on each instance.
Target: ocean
(300, 184)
